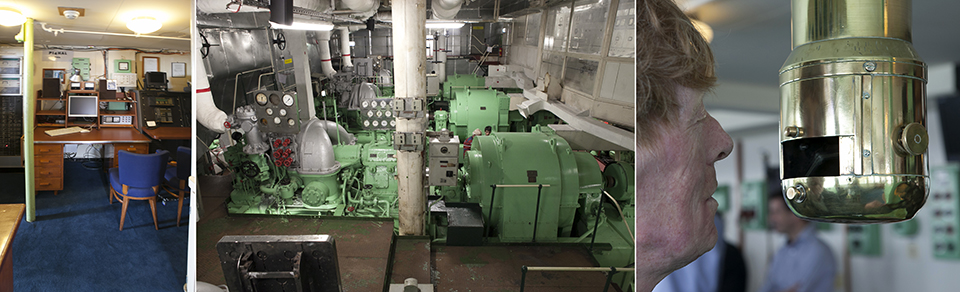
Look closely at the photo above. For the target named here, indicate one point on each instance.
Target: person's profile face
(676, 179)
(779, 216)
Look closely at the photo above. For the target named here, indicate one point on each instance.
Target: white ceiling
(752, 40)
(104, 16)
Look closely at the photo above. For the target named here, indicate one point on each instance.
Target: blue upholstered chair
(175, 178)
(138, 178)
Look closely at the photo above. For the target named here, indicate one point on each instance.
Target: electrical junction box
(443, 154)
(864, 239)
(944, 202)
(753, 205)
(496, 70)
(722, 195)
(433, 85)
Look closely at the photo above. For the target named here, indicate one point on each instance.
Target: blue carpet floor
(75, 244)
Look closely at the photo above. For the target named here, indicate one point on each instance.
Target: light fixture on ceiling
(71, 14)
(301, 24)
(445, 24)
(11, 17)
(704, 29)
(144, 24)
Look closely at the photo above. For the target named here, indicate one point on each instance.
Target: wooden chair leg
(179, 207)
(123, 212)
(153, 209)
(111, 194)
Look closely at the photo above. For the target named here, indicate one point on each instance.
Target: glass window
(589, 22)
(580, 74)
(623, 43)
(553, 64)
(532, 30)
(557, 30)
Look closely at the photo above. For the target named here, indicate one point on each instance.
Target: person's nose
(722, 140)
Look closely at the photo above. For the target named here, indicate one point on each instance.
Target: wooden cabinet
(125, 116)
(48, 167)
(53, 112)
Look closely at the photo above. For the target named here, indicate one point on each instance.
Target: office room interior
(87, 86)
(752, 40)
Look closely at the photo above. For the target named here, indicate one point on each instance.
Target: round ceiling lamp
(11, 17)
(144, 24)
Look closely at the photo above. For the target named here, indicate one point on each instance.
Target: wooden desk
(10, 217)
(169, 133)
(48, 151)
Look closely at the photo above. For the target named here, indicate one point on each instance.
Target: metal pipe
(446, 9)
(493, 194)
(59, 31)
(536, 214)
(29, 105)
(345, 46)
(442, 56)
(326, 63)
(409, 51)
(596, 223)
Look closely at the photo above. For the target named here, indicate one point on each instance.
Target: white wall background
(905, 263)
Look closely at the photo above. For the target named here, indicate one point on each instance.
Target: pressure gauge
(366, 123)
(288, 100)
(383, 103)
(376, 123)
(393, 123)
(364, 103)
(283, 112)
(276, 120)
(370, 114)
(379, 114)
(388, 113)
(261, 98)
(269, 111)
(275, 99)
(263, 121)
(291, 122)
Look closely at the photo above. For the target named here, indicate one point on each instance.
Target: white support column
(410, 58)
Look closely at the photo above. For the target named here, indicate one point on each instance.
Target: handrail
(612, 271)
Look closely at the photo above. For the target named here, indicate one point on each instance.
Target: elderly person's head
(677, 143)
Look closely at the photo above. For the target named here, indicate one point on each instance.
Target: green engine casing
(477, 108)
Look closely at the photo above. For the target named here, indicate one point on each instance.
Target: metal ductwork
(316, 146)
(853, 113)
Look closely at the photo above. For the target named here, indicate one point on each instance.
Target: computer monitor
(82, 106)
(155, 80)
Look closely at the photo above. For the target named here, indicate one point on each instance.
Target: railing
(610, 272)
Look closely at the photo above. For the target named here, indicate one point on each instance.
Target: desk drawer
(40, 172)
(48, 149)
(48, 162)
(139, 148)
(49, 183)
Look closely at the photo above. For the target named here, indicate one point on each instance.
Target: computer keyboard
(64, 131)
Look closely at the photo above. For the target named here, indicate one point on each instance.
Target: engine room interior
(451, 144)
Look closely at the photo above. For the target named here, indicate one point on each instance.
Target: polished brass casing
(853, 113)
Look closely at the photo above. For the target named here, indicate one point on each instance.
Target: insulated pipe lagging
(326, 63)
(345, 46)
(208, 114)
(446, 9)
(362, 5)
(442, 58)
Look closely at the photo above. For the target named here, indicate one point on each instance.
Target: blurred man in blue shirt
(804, 263)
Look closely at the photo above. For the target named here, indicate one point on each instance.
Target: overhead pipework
(446, 9)
(853, 113)
(326, 62)
(208, 114)
(345, 46)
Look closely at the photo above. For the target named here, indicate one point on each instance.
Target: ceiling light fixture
(299, 24)
(11, 17)
(445, 24)
(144, 24)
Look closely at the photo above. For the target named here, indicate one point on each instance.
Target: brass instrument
(853, 113)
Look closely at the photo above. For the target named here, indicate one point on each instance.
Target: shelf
(114, 100)
(81, 124)
(118, 113)
(49, 125)
(50, 99)
(51, 112)
(116, 125)
(82, 91)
